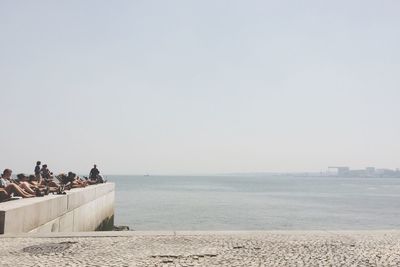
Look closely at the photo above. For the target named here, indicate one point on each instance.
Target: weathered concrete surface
(279, 248)
(82, 209)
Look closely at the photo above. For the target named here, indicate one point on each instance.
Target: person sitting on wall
(11, 188)
(45, 172)
(31, 181)
(71, 180)
(76, 180)
(47, 177)
(22, 182)
(94, 173)
(95, 176)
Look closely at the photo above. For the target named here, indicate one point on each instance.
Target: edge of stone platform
(198, 233)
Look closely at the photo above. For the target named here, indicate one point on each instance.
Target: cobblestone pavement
(376, 248)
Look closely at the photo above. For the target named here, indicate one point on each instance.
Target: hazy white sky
(176, 87)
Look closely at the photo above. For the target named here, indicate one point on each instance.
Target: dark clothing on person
(45, 173)
(37, 170)
(94, 172)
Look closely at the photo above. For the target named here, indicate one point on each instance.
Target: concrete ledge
(201, 233)
(82, 209)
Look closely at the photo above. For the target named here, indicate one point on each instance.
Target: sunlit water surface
(256, 203)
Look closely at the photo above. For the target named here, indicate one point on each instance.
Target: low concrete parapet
(82, 209)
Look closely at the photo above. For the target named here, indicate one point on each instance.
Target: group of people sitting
(43, 182)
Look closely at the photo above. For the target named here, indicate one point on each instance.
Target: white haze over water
(199, 86)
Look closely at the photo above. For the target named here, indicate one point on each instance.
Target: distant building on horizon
(341, 171)
(368, 172)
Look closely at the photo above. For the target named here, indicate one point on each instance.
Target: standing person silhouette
(37, 172)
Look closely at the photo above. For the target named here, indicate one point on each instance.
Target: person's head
(45, 166)
(22, 177)
(95, 165)
(32, 178)
(71, 176)
(7, 173)
(38, 163)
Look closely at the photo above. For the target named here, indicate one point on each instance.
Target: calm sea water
(256, 203)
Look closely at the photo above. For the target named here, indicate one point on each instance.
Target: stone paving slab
(274, 248)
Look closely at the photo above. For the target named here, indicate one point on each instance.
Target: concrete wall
(82, 209)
